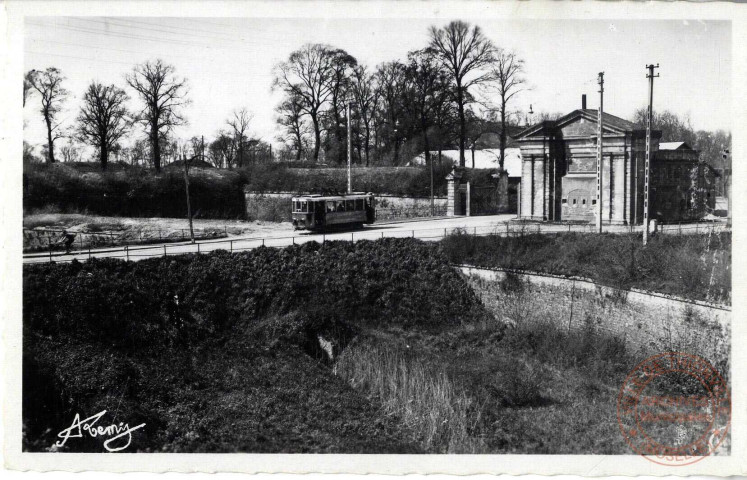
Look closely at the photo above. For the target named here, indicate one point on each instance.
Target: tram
(327, 212)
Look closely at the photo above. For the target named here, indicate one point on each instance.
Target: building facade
(558, 179)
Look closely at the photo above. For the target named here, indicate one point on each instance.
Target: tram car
(328, 212)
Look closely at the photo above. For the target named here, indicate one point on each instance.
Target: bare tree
(70, 152)
(466, 53)
(392, 78)
(306, 74)
(342, 65)
(222, 150)
(290, 117)
(163, 95)
(103, 118)
(508, 71)
(427, 82)
(239, 123)
(364, 90)
(49, 85)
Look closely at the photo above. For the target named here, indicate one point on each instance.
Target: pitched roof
(610, 121)
(674, 146)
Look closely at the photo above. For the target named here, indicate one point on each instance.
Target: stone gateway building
(558, 179)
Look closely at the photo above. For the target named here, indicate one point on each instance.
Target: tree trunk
(154, 140)
(50, 141)
(366, 146)
(503, 135)
(189, 203)
(317, 138)
(462, 124)
(103, 156)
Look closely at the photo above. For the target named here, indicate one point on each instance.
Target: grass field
(541, 385)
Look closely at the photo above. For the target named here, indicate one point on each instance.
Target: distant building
(558, 179)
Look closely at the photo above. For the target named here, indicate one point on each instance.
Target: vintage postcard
(374, 237)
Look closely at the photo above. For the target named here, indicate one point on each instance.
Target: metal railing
(429, 234)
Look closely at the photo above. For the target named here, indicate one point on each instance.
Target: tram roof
(315, 197)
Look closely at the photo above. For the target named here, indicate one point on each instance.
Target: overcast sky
(228, 62)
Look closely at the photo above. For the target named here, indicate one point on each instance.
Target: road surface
(430, 229)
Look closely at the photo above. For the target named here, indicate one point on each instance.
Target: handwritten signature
(120, 431)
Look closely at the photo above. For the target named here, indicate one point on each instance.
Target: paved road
(432, 229)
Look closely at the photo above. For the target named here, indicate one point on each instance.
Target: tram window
(359, 204)
(297, 206)
(340, 207)
(330, 206)
(349, 205)
(304, 207)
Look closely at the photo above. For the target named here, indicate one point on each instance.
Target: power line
(79, 58)
(94, 31)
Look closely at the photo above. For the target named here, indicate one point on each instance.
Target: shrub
(694, 266)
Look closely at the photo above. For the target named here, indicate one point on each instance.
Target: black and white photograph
(435, 232)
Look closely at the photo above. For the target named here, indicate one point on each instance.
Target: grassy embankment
(692, 266)
(426, 364)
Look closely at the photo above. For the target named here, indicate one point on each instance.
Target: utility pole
(647, 167)
(350, 151)
(189, 203)
(600, 151)
(202, 148)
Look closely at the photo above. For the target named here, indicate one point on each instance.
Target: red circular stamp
(674, 409)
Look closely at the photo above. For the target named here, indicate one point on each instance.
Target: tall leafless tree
(306, 74)
(508, 74)
(164, 95)
(391, 78)
(290, 117)
(365, 94)
(342, 65)
(103, 119)
(427, 82)
(467, 54)
(49, 85)
(239, 123)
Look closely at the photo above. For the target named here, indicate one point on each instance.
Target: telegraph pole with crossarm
(647, 167)
(600, 152)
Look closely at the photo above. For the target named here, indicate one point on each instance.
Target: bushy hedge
(215, 193)
(406, 181)
(403, 281)
(693, 266)
(214, 352)
(133, 192)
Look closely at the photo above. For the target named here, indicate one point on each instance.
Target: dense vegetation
(693, 266)
(131, 191)
(186, 343)
(137, 192)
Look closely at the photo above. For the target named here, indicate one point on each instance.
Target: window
(349, 205)
(593, 201)
(304, 207)
(574, 203)
(340, 205)
(330, 206)
(583, 201)
(359, 204)
(565, 201)
(297, 206)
